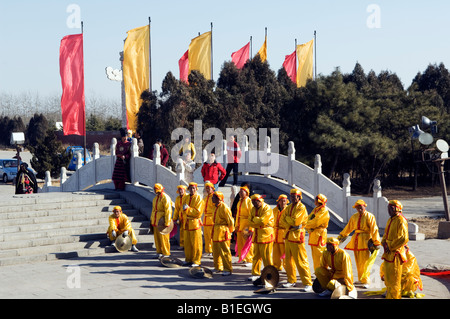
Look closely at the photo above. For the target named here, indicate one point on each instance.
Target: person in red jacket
(213, 171)
(233, 156)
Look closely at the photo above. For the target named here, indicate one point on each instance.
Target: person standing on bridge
(294, 219)
(233, 156)
(161, 208)
(120, 224)
(121, 173)
(365, 227)
(193, 241)
(317, 228)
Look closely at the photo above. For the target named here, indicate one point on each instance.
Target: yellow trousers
(361, 257)
(261, 252)
(316, 252)
(222, 255)
(278, 251)
(193, 246)
(162, 242)
(393, 278)
(240, 240)
(130, 233)
(296, 257)
(207, 233)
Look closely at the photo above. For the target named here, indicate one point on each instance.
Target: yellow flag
(136, 71)
(200, 54)
(305, 63)
(263, 51)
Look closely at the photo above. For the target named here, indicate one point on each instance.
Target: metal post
(440, 164)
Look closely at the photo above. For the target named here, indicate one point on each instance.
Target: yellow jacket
(261, 220)
(365, 227)
(223, 223)
(177, 214)
(187, 147)
(317, 226)
(279, 230)
(396, 237)
(294, 218)
(162, 206)
(208, 211)
(340, 265)
(120, 224)
(244, 207)
(192, 216)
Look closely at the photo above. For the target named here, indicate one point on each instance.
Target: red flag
(241, 57)
(183, 63)
(290, 65)
(71, 67)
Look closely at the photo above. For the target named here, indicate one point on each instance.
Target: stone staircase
(50, 226)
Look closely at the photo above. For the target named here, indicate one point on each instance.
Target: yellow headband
(281, 197)
(360, 202)
(209, 184)
(158, 188)
(219, 195)
(257, 197)
(245, 188)
(398, 206)
(117, 208)
(322, 199)
(193, 184)
(296, 192)
(333, 240)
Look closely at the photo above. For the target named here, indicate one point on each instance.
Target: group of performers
(277, 237)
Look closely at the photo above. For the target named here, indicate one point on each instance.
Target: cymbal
(340, 292)
(123, 243)
(200, 272)
(163, 229)
(171, 262)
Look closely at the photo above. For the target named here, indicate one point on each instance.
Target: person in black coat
(26, 181)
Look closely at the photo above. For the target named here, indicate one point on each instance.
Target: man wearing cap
(120, 224)
(335, 269)
(193, 242)
(178, 212)
(244, 207)
(279, 233)
(365, 227)
(394, 240)
(161, 208)
(294, 219)
(221, 235)
(261, 220)
(317, 228)
(208, 222)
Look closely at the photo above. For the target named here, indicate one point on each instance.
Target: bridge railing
(283, 171)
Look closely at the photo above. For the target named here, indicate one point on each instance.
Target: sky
(403, 37)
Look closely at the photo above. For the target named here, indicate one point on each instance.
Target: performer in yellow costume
(261, 220)
(317, 228)
(294, 219)
(365, 227)
(208, 222)
(162, 207)
(394, 240)
(221, 235)
(411, 280)
(244, 206)
(192, 213)
(178, 212)
(120, 224)
(279, 233)
(335, 269)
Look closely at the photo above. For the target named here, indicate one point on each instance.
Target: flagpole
(251, 48)
(212, 64)
(149, 55)
(85, 132)
(315, 55)
(295, 50)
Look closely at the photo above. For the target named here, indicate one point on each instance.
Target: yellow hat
(333, 240)
(282, 196)
(158, 188)
(398, 206)
(117, 208)
(296, 192)
(257, 197)
(219, 195)
(208, 183)
(193, 184)
(181, 186)
(360, 202)
(245, 188)
(322, 199)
